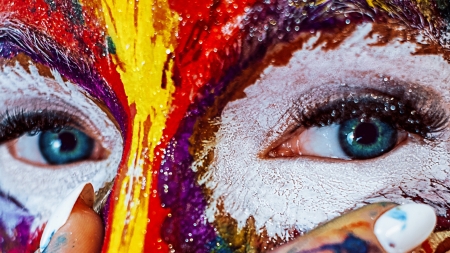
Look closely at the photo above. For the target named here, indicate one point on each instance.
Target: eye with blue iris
(360, 125)
(366, 139)
(67, 145)
(352, 139)
(60, 146)
(48, 138)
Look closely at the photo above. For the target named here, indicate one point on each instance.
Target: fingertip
(405, 227)
(83, 232)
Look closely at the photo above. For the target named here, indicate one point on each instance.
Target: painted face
(230, 126)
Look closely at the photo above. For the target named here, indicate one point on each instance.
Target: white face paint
(40, 187)
(302, 192)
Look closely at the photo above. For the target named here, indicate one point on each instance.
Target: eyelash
(406, 111)
(16, 123)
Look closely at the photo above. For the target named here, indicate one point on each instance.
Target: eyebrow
(269, 23)
(16, 38)
(283, 18)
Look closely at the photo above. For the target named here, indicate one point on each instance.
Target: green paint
(52, 4)
(77, 13)
(444, 9)
(111, 45)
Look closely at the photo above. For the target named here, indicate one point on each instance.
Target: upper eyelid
(429, 120)
(415, 108)
(414, 99)
(67, 113)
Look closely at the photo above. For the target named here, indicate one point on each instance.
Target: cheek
(40, 188)
(300, 193)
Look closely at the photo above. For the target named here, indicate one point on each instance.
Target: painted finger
(380, 227)
(74, 227)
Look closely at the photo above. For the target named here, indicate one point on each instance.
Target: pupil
(366, 133)
(68, 141)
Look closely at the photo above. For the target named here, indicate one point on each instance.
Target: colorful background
(158, 66)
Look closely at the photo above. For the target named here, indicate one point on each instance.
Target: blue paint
(351, 244)
(399, 215)
(218, 245)
(44, 246)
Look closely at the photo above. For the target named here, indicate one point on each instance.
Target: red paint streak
(56, 24)
(34, 242)
(198, 61)
(205, 48)
(119, 179)
(156, 213)
(108, 71)
(427, 247)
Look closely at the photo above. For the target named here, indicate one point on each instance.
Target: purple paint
(15, 226)
(177, 184)
(75, 66)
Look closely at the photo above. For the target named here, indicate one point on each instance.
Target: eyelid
(423, 107)
(40, 116)
(319, 142)
(404, 109)
(64, 112)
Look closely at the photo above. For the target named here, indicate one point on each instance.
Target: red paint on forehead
(72, 30)
(208, 44)
(202, 55)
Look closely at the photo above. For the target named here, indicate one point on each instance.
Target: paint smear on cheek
(300, 193)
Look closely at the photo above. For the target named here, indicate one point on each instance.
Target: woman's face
(331, 130)
(221, 126)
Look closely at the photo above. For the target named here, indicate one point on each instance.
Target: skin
(83, 232)
(264, 122)
(23, 87)
(359, 223)
(302, 194)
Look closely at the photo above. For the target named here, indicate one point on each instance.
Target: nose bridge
(143, 53)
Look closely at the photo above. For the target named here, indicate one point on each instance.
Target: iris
(65, 146)
(366, 139)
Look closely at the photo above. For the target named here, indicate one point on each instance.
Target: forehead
(68, 36)
(72, 36)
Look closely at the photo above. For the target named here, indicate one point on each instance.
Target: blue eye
(369, 139)
(66, 146)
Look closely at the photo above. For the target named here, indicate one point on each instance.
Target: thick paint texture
(158, 66)
(143, 42)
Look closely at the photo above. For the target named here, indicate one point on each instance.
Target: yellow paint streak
(370, 3)
(380, 4)
(142, 48)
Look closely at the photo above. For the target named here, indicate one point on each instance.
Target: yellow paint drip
(143, 34)
(381, 4)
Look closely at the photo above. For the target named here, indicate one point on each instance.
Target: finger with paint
(74, 226)
(380, 227)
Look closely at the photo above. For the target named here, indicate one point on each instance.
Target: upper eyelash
(16, 123)
(404, 110)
